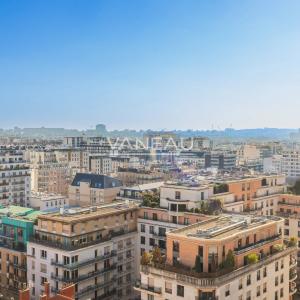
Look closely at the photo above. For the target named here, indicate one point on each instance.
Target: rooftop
(96, 181)
(87, 213)
(225, 226)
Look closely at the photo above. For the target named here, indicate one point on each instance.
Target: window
(168, 287)
(44, 254)
(143, 240)
(281, 278)
(248, 296)
(152, 242)
(248, 279)
(258, 291)
(177, 195)
(43, 280)
(150, 297)
(281, 293)
(286, 232)
(143, 228)
(265, 271)
(151, 229)
(180, 290)
(276, 266)
(265, 287)
(43, 268)
(154, 217)
(276, 281)
(258, 275)
(227, 290)
(240, 284)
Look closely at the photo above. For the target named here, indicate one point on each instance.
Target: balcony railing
(83, 263)
(92, 288)
(147, 287)
(257, 244)
(84, 276)
(213, 279)
(70, 247)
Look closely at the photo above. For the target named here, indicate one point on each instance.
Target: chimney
(24, 294)
(47, 289)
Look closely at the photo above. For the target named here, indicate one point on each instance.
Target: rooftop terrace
(225, 226)
(86, 213)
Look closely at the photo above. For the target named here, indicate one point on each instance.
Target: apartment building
(93, 189)
(258, 194)
(220, 160)
(99, 164)
(92, 247)
(14, 178)
(155, 223)
(16, 227)
(291, 163)
(46, 202)
(225, 257)
(131, 177)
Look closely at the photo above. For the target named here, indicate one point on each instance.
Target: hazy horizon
(150, 64)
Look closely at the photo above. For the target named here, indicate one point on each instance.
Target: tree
(156, 255)
(229, 262)
(151, 199)
(145, 259)
(296, 188)
(198, 266)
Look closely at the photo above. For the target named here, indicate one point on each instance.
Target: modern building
(14, 178)
(93, 247)
(223, 160)
(93, 189)
(225, 257)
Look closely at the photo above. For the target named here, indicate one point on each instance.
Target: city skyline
(159, 65)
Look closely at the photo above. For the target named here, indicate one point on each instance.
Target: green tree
(229, 261)
(198, 267)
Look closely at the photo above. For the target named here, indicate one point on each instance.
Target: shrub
(145, 259)
(278, 247)
(292, 242)
(252, 258)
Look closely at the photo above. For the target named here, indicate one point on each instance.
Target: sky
(159, 64)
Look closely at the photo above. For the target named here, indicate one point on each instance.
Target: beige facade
(271, 276)
(94, 248)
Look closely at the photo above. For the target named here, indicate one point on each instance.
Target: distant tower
(101, 129)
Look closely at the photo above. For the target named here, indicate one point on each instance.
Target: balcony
(146, 287)
(83, 263)
(293, 289)
(293, 275)
(212, 279)
(257, 244)
(22, 267)
(83, 276)
(68, 243)
(93, 288)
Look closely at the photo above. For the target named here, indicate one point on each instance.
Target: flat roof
(82, 214)
(225, 226)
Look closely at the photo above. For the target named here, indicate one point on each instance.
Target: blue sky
(150, 63)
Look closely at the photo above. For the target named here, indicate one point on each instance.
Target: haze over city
(150, 64)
